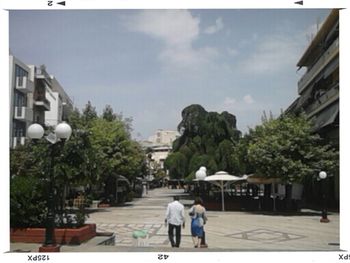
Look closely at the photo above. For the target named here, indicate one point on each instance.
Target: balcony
(18, 141)
(326, 99)
(42, 103)
(331, 52)
(23, 84)
(23, 113)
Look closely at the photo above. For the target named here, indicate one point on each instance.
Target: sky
(151, 64)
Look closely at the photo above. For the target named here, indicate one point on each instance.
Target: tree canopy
(287, 148)
(100, 146)
(207, 139)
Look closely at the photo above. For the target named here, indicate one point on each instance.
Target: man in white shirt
(175, 217)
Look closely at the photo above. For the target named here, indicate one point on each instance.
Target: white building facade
(21, 83)
(35, 97)
(160, 145)
(60, 104)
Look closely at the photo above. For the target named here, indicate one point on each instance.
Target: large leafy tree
(287, 148)
(98, 147)
(207, 139)
(115, 151)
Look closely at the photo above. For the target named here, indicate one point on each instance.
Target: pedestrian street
(232, 230)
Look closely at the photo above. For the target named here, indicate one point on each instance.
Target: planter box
(104, 205)
(72, 236)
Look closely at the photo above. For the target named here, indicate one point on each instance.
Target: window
(20, 73)
(20, 100)
(19, 129)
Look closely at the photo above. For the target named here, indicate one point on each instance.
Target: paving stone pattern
(224, 230)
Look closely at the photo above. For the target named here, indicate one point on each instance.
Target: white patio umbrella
(219, 178)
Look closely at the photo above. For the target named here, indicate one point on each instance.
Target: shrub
(27, 202)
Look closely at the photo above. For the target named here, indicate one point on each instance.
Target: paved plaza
(225, 231)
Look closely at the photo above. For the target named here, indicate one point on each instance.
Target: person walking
(199, 218)
(175, 217)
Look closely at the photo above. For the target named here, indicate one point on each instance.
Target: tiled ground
(224, 230)
(124, 233)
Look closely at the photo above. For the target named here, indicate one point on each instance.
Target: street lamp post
(200, 174)
(323, 175)
(62, 132)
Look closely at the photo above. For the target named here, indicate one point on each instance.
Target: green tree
(177, 165)
(108, 113)
(287, 148)
(89, 113)
(207, 139)
(96, 149)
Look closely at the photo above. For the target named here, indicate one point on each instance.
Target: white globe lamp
(35, 131)
(63, 131)
(201, 173)
(322, 175)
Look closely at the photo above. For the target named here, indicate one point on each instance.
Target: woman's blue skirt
(196, 228)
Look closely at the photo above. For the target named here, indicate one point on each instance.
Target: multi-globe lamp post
(61, 133)
(323, 176)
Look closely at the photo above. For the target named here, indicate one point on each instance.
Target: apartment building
(60, 102)
(36, 97)
(21, 109)
(160, 145)
(318, 91)
(319, 86)
(42, 92)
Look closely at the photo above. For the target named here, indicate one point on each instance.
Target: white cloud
(247, 103)
(187, 57)
(229, 102)
(219, 25)
(174, 27)
(272, 54)
(248, 99)
(177, 29)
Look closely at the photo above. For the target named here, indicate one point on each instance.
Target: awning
(219, 178)
(254, 179)
(326, 117)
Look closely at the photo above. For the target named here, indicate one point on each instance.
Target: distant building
(159, 145)
(164, 137)
(319, 86)
(35, 97)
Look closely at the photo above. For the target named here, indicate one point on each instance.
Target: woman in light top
(197, 213)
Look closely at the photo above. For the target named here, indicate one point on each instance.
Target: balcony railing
(23, 113)
(323, 101)
(42, 102)
(331, 52)
(24, 85)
